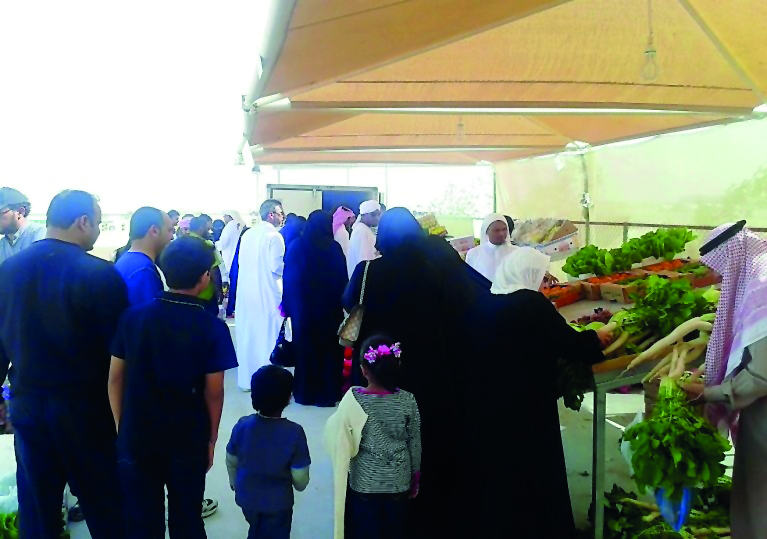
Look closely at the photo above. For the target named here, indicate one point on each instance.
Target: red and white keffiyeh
(741, 318)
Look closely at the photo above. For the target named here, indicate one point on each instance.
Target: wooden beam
(516, 108)
(723, 50)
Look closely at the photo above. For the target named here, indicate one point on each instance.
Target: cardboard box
(566, 294)
(593, 291)
(561, 248)
(622, 292)
(463, 244)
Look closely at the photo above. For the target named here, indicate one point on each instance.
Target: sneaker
(75, 513)
(209, 507)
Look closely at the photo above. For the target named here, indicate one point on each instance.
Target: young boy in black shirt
(166, 388)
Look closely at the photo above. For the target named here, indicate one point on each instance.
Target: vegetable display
(599, 315)
(675, 448)
(663, 243)
(626, 517)
(665, 305)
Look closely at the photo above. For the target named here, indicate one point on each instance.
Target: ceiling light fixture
(651, 70)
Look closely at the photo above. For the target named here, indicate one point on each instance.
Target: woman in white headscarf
(523, 337)
(495, 246)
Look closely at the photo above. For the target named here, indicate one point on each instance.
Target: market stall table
(608, 376)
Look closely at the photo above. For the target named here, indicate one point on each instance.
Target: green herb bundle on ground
(626, 517)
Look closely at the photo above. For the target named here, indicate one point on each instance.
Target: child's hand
(415, 485)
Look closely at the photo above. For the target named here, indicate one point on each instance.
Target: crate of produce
(592, 287)
(564, 294)
(561, 248)
(621, 291)
(665, 265)
(699, 275)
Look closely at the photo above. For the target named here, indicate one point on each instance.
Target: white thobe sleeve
(277, 255)
(368, 248)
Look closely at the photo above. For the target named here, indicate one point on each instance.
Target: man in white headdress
(259, 292)
(362, 245)
(227, 243)
(495, 246)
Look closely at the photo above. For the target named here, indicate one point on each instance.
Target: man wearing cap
(17, 231)
(362, 245)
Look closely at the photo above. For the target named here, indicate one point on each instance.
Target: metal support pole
(586, 197)
(625, 232)
(495, 192)
(598, 463)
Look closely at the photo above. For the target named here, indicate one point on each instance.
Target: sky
(138, 102)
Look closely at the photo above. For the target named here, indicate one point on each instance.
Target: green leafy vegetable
(665, 305)
(626, 517)
(663, 243)
(573, 381)
(712, 295)
(675, 448)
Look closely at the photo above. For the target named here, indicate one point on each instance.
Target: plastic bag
(674, 513)
(9, 498)
(626, 447)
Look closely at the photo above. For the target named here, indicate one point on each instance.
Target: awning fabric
(457, 81)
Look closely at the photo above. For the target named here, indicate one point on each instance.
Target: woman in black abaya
(419, 292)
(313, 283)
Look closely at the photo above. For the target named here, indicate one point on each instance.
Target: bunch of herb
(675, 448)
(665, 305)
(626, 517)
(573, 380)
(662, 243)
(696, 268)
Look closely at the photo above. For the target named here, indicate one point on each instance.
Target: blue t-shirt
(266, 450)
(59, 309)
(168, 346)
(141, 277)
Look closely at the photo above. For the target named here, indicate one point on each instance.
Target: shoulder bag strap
(364, 281)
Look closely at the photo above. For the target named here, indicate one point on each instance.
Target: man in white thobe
(227, 243)
(362, 245)
(495, 246)
(259, 292)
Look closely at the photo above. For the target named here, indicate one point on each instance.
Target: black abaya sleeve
(553, 331)
(352, 293)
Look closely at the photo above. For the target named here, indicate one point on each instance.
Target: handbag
(283, 354)
(349, 332)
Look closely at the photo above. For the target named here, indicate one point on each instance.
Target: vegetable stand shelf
(607, 376)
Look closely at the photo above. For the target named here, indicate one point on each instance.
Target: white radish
(679, 333)
(659, 367)
(620, 341)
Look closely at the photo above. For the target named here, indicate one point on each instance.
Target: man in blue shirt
(59, 310)
(17, 231)
(166, 388)
(151, 230)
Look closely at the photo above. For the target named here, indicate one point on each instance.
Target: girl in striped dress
(384, 475)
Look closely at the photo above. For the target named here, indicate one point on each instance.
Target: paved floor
(313, 510)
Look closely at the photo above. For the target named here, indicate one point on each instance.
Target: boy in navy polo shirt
(267, 457)
(166, 388)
